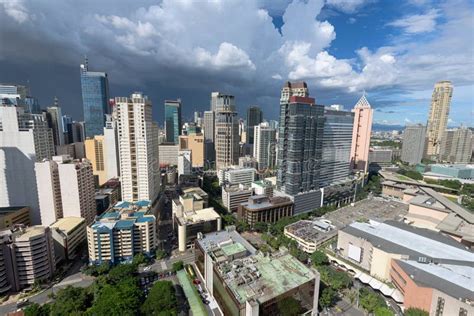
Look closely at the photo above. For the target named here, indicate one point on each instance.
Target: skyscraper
(95, 149)
(254, 117)
(299, 145)
(226, 130)
(438, 117)
(209, 123)
(24, 139)
(413, 145)
(95, 97)
(55, 120)
(111, 153)
(456, 146)
(337, 137)
(264, 145)
(173, 120)
(139, 169)
(361, 134)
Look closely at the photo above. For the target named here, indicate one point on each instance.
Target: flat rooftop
(218, 239)
(263, 277)
(11, 209)
(196, 216)
(455, 280)
(400, 238)
(67, 224)
(309, 231)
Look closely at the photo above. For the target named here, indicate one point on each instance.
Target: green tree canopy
(70, 301)
(328, 297)
(37, 310)
(319, 258)
(416, 312)
(178, 265)
(161, 300)
(383, 311)
(289, 306)
(370, 301)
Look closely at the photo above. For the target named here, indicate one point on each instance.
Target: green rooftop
(232, 249)
(277, 275)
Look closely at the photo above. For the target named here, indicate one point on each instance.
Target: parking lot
(375, 208)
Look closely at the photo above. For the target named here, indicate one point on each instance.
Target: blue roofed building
(122, 232)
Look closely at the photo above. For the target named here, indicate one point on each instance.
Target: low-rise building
(122, 232)
(27, 257)
(246, 282)
(310, 234)
(168, 154)
(233, 196)
(379, 158)
(261, 208)
(248, 162)
(11, 216)
(410, 257)
(68, 234)
(453, 172)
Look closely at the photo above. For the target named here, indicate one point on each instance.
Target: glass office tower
(95, 96)
(173, 120)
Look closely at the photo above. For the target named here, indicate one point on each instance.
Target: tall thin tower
(438, 117)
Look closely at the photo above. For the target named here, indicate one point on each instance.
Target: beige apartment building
(361, 134)
(95, 154)
(194, 143)
(27, 256)
(438, 117)
(14, 215)
(68, 233)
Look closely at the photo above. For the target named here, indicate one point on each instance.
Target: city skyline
(399, 46)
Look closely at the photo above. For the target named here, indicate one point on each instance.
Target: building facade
(438, 117)
(456, 146)
(68, 234)
(337, 138)
(226, 140)
(173, 120)
(413, 145)
(236, 175)
(24, 139)
(254, 118)
(137, 148)
(361, 135)
(195, 143)
(264, 145)
(233, 196)
(95, 98)
(264, 209)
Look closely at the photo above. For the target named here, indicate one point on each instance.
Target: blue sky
(393, 50)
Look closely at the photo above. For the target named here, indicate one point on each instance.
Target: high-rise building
(226, 130)
(65, 188)
(111, 153)
(456, 146)
(300, 140)
(337, 137)
(438, 117)
(95, 97)
(264, 146)
(75, 132)
(95, 154)
(254, 117)
(361, 134)
(195, 143)
(24, 139)
(55, 121)
(27, 257)
(413, 145)
(139, 168)
(208, 126)
(18, 95)
(184, 162)
(173, 120)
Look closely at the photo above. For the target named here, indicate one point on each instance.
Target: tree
(328, 297)
(260, 227)
(178, 265)
(160, 254)
(370, 301)
(115, 300)
(383, 311)
(103, 268)
(37, 310)
(139, 259)
(289, 306)
(319, 258)
(120, 272)
(416, 312)
(161, 300)
(242, 226)
(71, 300)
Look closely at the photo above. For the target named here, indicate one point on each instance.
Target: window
(462, 312)
(440, 306)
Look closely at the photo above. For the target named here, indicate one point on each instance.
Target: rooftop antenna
(56, 101)
(86, 63)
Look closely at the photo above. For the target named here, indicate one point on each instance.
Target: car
(22, 302)
(147, 268)
(196, 281)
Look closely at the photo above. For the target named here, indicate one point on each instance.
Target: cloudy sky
(394, 50)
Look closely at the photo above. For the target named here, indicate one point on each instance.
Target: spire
(56, 101)
(86, 63)
(362, 103)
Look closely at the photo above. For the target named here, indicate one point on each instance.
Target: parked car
(22, 302)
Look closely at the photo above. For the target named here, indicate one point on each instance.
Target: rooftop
(400, 238)
(67, 224)
(196, 216)
(11, 209)
(215, 240)
(316, 232)
(263, 277)
(455, 280)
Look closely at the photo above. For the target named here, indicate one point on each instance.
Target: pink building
(361, 134)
